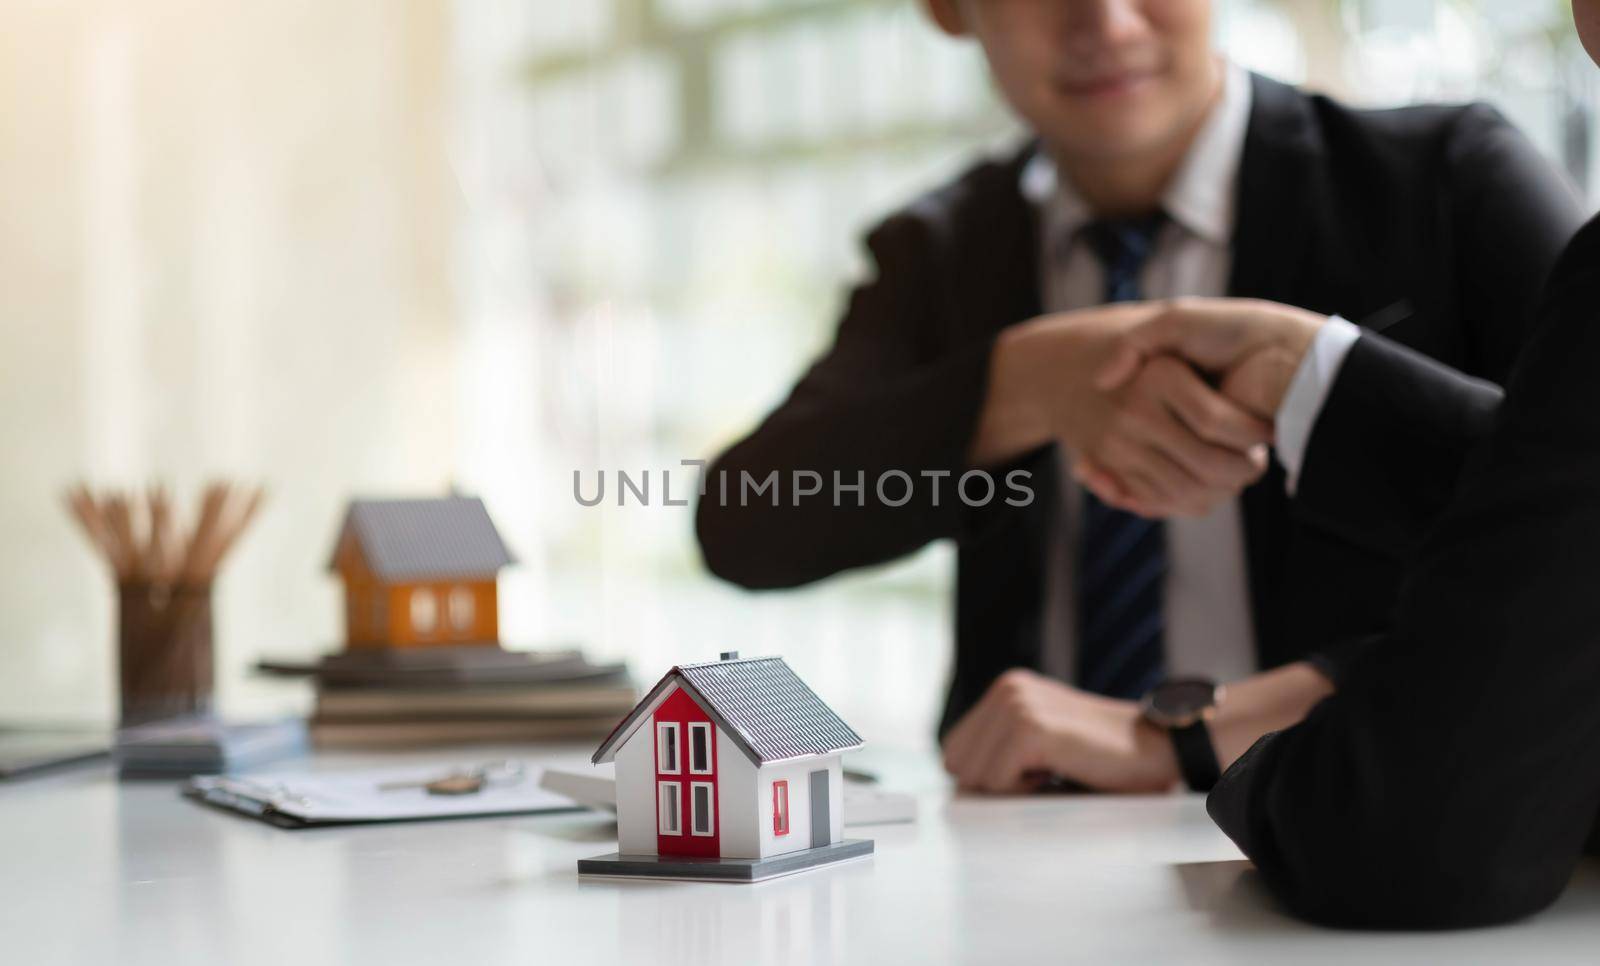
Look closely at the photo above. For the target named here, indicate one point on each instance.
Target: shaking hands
(1251, 349)
(1166, 407)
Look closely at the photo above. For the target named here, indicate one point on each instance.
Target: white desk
(96, 872)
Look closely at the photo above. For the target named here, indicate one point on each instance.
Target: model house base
(713, 869)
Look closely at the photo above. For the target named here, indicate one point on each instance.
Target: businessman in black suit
(1147, 178)
(1452, 780)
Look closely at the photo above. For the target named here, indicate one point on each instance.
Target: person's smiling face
(1097, 79)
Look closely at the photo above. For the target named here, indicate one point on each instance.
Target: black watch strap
(1197, 759)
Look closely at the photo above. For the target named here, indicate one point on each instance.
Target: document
(452, 790)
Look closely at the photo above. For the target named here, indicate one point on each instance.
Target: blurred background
(358, 247)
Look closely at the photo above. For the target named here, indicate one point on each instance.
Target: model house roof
(415, 539)
(759, 702)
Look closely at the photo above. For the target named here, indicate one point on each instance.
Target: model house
(419, 572)
(730, 760)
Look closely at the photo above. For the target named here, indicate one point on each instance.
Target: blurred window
(424, 610)
(462, 608)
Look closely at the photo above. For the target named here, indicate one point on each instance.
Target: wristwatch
(1182, 706)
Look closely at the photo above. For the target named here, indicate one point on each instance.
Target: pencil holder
(164, 659)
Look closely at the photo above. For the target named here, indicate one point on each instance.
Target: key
(461, 782)
(457, 783)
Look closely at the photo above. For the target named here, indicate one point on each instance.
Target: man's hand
(1252, 347)
(1028, 727)
(1178, 444)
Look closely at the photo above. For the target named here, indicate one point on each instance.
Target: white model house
(734, 759)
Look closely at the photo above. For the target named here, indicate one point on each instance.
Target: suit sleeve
(1388, 446)
(1512, 214)
(1451, 780)
(887, 398)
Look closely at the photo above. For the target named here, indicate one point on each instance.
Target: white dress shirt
(1308, 390)
(1209, 630)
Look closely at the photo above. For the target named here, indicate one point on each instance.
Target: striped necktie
(1122, 558)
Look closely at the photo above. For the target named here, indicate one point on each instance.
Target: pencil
(140, 537)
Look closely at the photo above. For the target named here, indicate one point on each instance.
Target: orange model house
(419, 573)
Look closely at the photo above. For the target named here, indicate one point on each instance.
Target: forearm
(1257, 705)
(909, 433)
(1269, 701)
(1389, 444)
(1012, 421)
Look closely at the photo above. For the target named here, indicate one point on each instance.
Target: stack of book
(412, 697)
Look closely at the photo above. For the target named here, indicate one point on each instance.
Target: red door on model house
(686, 778)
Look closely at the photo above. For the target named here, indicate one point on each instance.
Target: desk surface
(99, 872)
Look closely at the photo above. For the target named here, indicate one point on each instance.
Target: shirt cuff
(1307, 392)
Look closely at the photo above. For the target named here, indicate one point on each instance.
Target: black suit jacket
(1442, 221)
(1453, 778)
(1388, 446)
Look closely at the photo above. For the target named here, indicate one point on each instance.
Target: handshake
(1166, 407)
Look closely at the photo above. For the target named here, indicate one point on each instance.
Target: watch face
(1181, 698)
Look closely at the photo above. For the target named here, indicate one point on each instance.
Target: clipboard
(320, 799)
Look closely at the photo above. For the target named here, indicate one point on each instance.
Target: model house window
(424, 611)
(667, 747)
(669, 818)
(700, 747)
(780, 808)
(461, 609)
(375, 602)
(700, 808)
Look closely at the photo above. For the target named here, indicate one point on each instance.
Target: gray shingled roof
(763, 705)
(416, 539)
